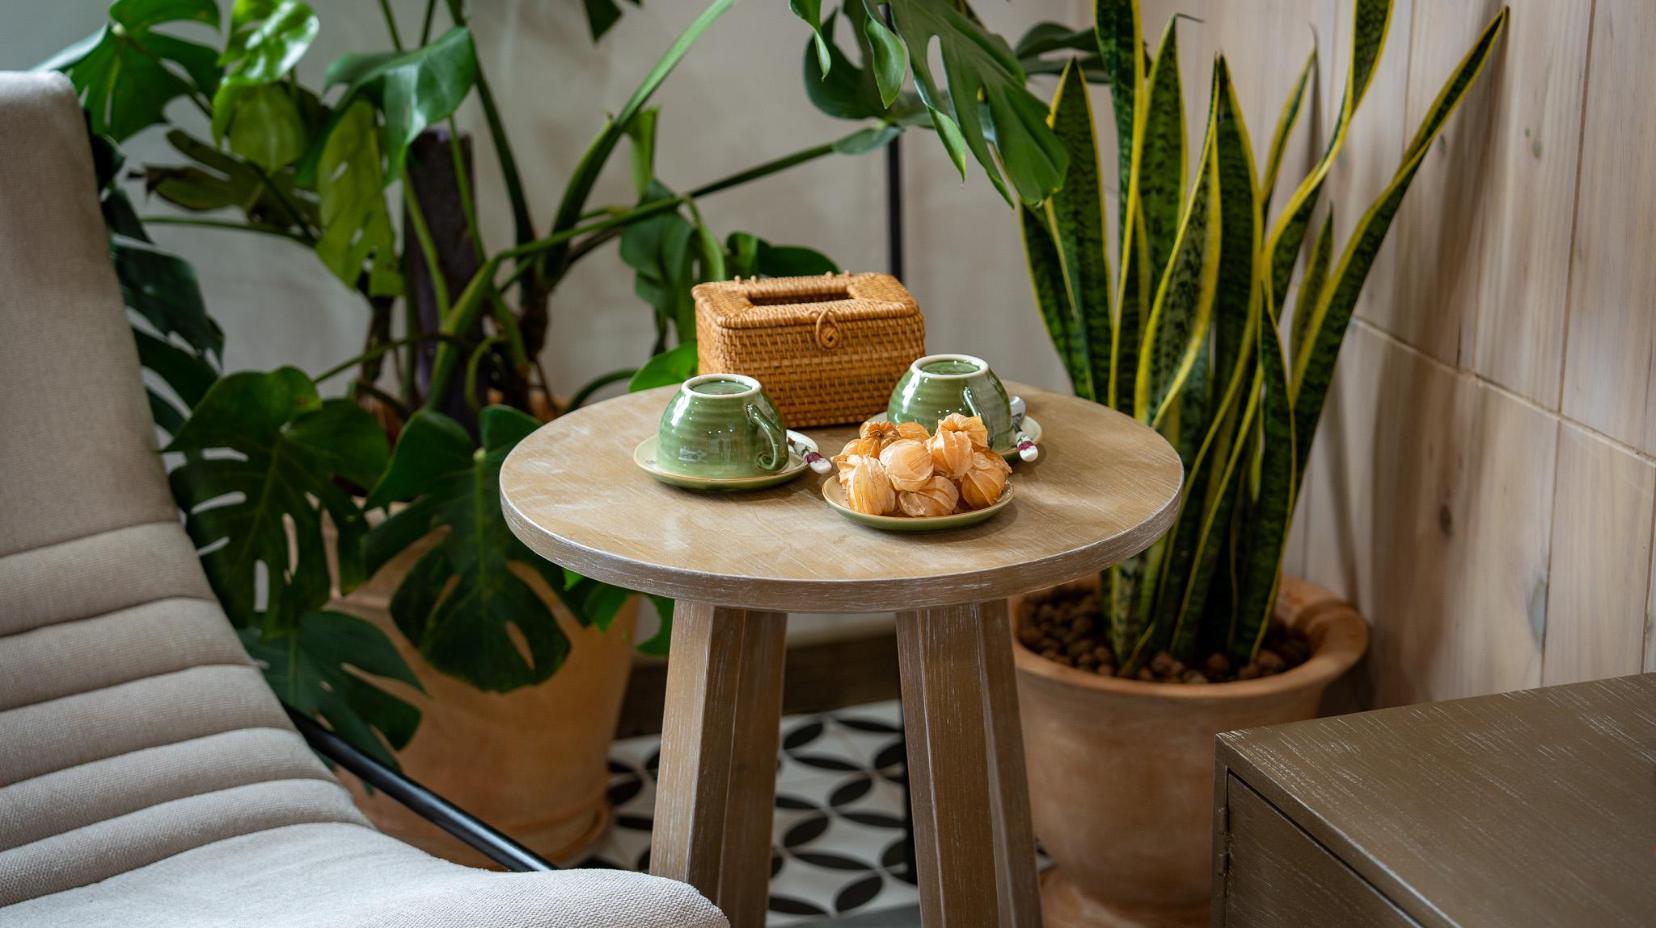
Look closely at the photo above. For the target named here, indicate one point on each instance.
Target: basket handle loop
(827, 330)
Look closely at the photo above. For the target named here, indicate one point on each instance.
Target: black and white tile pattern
(838, 837)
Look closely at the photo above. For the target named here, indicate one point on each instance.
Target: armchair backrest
(132, 725)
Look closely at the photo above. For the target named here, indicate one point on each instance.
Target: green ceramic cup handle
(971, 404)
(774, 434)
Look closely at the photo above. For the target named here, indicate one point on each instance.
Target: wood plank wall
(1484, 481)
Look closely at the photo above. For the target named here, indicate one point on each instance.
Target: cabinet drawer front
(1278, 876)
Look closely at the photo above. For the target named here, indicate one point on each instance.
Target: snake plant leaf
(1311, 286)
(127, 72)
(887, 55)
(1076, 216)
(811, 12)
(1314, 367)
(356, 224)
(466, 595)
(1240, 212)
(1371, 20)
(1052, 296)
(325, 667)
(979, 65)
(1161, 178)
(1179, 320)
(1271, 507)
(1286, 120)
(412, 89)
(1120, 36)
(289, 446)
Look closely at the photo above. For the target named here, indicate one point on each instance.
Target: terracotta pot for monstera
(1121, 771)
(533, 762)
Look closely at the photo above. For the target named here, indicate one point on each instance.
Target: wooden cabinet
(1535, 808)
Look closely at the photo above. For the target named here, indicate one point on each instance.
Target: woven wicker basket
(828, 349)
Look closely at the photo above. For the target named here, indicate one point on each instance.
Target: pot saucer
(835, 495)
(1031, 427)
(645, 457)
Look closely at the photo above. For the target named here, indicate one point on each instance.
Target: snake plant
(1185, 337)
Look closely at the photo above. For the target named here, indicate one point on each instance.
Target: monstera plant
(450, 375)
(1184, 334)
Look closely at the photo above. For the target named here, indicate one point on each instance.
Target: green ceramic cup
(722, 425)
(939, 384)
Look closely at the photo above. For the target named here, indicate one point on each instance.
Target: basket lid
(792, 301)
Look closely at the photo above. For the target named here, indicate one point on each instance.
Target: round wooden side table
(1104, 489)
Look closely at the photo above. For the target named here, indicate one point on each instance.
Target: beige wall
(1483, 482)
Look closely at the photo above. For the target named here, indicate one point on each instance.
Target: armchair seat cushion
(339, 875)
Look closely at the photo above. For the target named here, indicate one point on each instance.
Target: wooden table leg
(974, 848)
(716, 790)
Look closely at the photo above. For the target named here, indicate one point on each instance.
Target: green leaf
(751, 256)
(841, 90)
(658, 249)
(264, 124)
(222, 181)
(412, 89)
(601, 15)
(465, 604)
(670, 367)
(1311, 286)
(356, 224)
(1037, 44)
(310, 668)
(866, 140)
(1284, 128)
(1240, 208)
(1271, 506)
(127, 73)
(267, 38)
(1073, 220)
(979, 65)
(163, 289)
(642, 132)
(1314, 367)
(888, 56)
(1177, 327)
(289, 446)
(190, 375)
(1161, 179)
(811, 12)
(1371, 20)
(1120, 44)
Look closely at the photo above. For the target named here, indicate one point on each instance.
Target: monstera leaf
(980, 65)
(466, 600)
(263, 456)
(356, 223)
(260, 115)
(217, 180)
(412, 89)
(308, 669)
(128, 71)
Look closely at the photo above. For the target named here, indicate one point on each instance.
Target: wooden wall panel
(1601, 548)
(1484, 238)
(1431, 502)
(1608, 380)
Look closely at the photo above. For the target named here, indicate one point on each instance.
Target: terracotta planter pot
(533, 762)
(1121, 771)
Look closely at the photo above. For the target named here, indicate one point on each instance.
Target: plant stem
(597, 154)
(477, 355)
(425, 23)
(522, 223)
(391, 24)
(380, 349)
(428, 248)
(599, 383)
(224, 224)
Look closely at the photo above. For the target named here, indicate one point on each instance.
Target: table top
(1104, 488)
(1528, 808)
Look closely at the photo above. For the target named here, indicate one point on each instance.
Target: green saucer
(645, 457)
(835, 495)
(1031, 427)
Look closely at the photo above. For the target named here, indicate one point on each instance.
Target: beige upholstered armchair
(147, 775)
